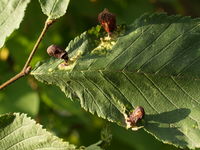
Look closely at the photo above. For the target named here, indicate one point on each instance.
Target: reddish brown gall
(57, 52)
(136, 115)
(107, 21)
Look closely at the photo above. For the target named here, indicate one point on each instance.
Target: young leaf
(153, 63)
(17, 131)
(54, 8)
(11, 15)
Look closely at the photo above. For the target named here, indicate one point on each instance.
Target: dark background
(47, 104)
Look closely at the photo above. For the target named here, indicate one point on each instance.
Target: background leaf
(17, 131)
(54, 8)
(20, 132)
(154, 64)
(11, 15)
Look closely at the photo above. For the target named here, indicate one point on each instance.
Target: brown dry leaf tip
(57, 52)
(136, 115)
(107, 20)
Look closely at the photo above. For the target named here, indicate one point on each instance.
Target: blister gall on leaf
(107, 20)
(57, 52)
(134, 116)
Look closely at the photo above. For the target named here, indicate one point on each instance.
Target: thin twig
(26, 69)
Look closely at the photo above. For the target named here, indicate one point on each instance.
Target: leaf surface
(17, 131)
(11, 15)
(153, 63)
(54, 8)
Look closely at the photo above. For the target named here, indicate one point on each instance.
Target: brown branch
(26, 69)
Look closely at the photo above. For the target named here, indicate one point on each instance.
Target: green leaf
(17, 131)
(21, 132)
(54, 8)
(153, 63)
(11, 15)
(49, 93)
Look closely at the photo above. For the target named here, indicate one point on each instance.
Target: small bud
(57, 52)
(107, 20)
(136, 115)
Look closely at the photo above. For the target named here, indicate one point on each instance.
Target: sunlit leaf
(153, 63)
(17, 131)
(11, 15)
(54, 8)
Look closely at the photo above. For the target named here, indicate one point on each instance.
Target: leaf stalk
(27, 68)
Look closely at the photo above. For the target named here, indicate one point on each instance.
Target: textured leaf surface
(11, 15)
(154, 63)
(54, 8)
(18, 131)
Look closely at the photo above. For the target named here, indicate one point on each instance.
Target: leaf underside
(153, 64)
(11, 15)
(54, 8)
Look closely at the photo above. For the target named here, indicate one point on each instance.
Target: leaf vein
(4, 21)
(92, 97)
(165, 94)
(15, 130)
(171, 103)
(131, 81)
(109, 63)
(114, 86)
(54, 5)
(184, 90)
(133, 58)
(169, 44)
(100, 90)
(14, 145)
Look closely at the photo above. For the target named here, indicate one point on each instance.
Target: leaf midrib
(139, 72)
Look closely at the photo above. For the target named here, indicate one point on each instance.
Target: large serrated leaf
(153, 62)
(54, 8)
(19, 132)
(11, 15)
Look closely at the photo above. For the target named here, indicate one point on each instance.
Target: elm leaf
(153, 63)
(17, 131)
(54, 8)
(11, 15)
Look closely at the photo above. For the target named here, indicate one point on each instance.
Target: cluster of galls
(106, 19)
(108, 22)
